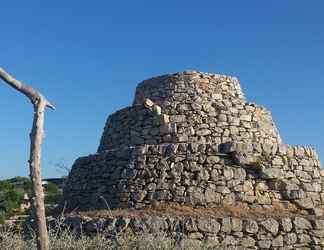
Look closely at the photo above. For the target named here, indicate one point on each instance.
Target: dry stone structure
(226, 233)
(192, 138)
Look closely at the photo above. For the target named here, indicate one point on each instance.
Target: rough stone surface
(200, 230)
(271, 225)
(192, 138)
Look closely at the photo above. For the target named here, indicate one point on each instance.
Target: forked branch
(36, 137)
(25, 89)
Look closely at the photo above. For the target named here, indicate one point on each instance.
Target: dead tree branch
(36, 137)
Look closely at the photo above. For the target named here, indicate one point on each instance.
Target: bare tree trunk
(39, 103)
(36, 138)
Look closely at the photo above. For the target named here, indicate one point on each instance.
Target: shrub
(14, 195)
(5, 185)
(28, 186)
(10, 201)
(53, 198)
(51, 188)
(71, 241)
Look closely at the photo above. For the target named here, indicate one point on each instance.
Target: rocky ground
(238, 227)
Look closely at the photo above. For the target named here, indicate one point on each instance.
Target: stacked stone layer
(215, 233)
(192, 138)
(198, 174)
(189, 107)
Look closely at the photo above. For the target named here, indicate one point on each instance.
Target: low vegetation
(12, 192)
(68, 240)
(53, 194)
(11, 196)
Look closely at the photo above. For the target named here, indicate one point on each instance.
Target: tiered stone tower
(192, 138)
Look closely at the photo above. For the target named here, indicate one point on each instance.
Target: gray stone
(271, 225)
(278, 241)
(319, 224)
(229, 240)
(226, 225)
(213, 159)
(190, 225)
(148, 103)
(286, 224)
(212, 197)
(237, 224)
(272, 173)
(304, 238)
(264, 244)
(248, 242)
(247, 118)
(306, 203)
(318, 212)
(302, 223)
(203, 132)
(290, 238)
(208, 225)
(250, 226)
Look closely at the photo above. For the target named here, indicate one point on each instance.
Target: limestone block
(306, 203)
(148, 103)
(250, 226)
(278, 241)
(302, 223)
(208, 225)
(264, 244)
(286, 224)
(247, 242)
(272, 173)
(271, 225)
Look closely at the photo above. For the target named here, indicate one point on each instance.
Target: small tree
(36, 137)
(52, 188)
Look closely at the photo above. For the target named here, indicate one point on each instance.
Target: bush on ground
(68, 240)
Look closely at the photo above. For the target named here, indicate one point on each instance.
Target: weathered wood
(36, 137)
(27, 90)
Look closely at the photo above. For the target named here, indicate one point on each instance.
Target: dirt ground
(174, 209)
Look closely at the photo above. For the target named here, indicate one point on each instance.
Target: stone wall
(198, 174)
(166, 89)
(216, 233)
(189, 107)
(192, 139)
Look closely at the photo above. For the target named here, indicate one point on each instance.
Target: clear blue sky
(88, 56)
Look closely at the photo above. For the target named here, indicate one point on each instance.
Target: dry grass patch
(68, 240)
